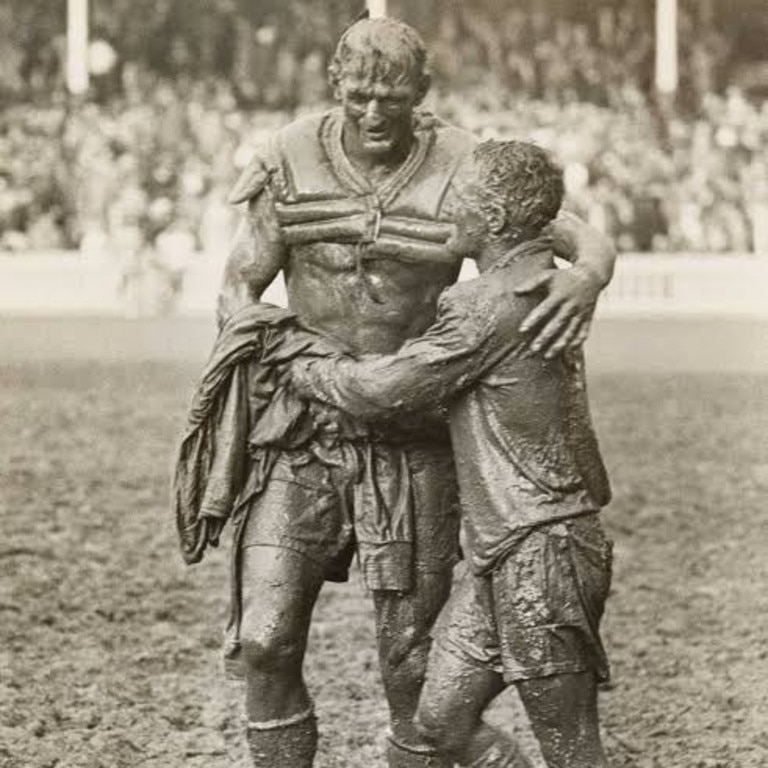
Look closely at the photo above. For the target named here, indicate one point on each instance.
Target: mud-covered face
(378, 114)
(471, 226)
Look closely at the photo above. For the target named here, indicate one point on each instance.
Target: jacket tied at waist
(244, 415)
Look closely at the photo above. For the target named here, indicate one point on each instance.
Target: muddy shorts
(538, 613)
(313, 508)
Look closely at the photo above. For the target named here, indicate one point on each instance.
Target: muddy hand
(563, 318)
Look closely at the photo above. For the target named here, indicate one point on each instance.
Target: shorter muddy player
(531, 479)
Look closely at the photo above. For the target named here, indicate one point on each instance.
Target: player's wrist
(591, 274)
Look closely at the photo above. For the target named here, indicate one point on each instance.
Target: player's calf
(279, 589)
(562, 710)
(403, 625)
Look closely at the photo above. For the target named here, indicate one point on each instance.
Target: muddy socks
(288, 743)
(292, 742)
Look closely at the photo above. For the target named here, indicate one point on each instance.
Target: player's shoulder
(255, 176)
(268, 154)
(448, 137)
(450, 147)
(303, 128)
(490, 297)
(463, 309)
(464, 298)
(481, 296)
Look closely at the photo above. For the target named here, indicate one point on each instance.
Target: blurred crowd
(654, 183)
(144, 163)
(154, 166)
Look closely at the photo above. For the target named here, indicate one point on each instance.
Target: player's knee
(404, 674)
(437, 728)
(406, 657)
(429, 725)
(271, 652)
(442, 720)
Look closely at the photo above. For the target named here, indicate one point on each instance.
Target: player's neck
(498, 254)
(494, 251)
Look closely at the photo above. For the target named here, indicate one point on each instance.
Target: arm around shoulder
(563, 318)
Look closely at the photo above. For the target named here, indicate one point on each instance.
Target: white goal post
(77, 46)
(666, 46)
(377, 8)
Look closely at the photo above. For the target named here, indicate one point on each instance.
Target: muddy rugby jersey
(322, 201)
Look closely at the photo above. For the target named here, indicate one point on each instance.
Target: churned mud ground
(109, 645)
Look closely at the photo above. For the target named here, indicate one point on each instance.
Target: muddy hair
(523, 180)
(383, 49)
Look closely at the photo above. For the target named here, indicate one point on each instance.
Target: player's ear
(496, 217)
(338, 93)
(424, 86)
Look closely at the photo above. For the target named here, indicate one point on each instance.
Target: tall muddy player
(355, 207)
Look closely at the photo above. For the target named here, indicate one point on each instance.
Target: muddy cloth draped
(244, 415)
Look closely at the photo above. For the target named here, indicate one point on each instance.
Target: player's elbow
(232, 297)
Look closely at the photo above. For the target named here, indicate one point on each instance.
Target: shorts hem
(516, 674)
(436, 567)
(459, 651)
(522, 674)
(291, 545)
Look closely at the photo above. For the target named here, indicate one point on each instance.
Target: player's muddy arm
(580, 243)
(563, 317)
(256, 258)
(370, 388)
(423, 374)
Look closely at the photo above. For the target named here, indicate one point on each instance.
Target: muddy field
(109, 645)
